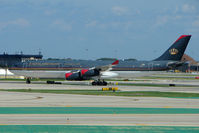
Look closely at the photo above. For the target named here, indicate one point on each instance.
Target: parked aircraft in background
(87, 69)
(170, 59)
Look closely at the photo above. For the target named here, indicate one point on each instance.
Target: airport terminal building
(190, 64)
(14, 58)
(8, 59)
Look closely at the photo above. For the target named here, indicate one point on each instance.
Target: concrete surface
(17, 99)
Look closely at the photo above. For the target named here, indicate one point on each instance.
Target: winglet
(116, 62)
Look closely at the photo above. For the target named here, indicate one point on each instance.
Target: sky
(91, 29)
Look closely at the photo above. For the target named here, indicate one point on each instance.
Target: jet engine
(82, 74)
(73, 76)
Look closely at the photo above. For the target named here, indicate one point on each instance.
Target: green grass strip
(111, 93)
(94, 129)
(95, 110)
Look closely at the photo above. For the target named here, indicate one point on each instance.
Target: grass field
(95, 110)
(111, 93)
(96, 129)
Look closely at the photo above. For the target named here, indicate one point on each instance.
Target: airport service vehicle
(78, 69)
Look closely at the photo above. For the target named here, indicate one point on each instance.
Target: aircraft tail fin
(176, 51)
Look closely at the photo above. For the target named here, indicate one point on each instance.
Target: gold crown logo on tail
(173, 51)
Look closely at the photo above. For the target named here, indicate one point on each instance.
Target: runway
(19, 99)
(129, 113)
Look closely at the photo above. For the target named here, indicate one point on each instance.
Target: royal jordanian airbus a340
(89, 69)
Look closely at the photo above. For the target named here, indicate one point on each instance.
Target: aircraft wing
(108, 67)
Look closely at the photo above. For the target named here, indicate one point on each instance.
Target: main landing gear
(28, 80)
(99, 82)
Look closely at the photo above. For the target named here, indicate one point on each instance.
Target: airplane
(98, 73)
(170, 59)
(88, 69)
(93, 73)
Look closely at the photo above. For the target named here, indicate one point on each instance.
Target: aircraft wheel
(105, 83)
(28, 81)
(94, 83)
(100, 83)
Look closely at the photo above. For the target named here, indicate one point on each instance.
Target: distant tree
(59, 59)
(130, 59)
(53, 59)
(68, 59)
(106, 59)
